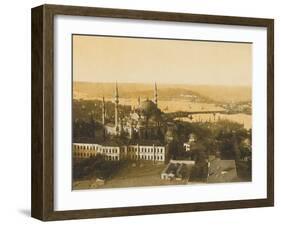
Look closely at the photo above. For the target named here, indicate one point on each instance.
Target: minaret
(139, 100)
(116, 106)
(103, 111)
(155, 94)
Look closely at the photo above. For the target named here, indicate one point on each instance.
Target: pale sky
(140, 60)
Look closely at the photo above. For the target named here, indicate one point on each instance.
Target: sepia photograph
(156, 111)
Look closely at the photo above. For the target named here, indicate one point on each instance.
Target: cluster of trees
(87, 129)
(224, 136)
(87, 110)
(96, 167)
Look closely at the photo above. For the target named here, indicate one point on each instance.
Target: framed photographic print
(141, 112)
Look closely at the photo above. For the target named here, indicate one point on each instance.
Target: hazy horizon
(126, 90)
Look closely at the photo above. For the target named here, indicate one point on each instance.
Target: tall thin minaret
(155, 94)
(116, 106)
(139, 100)
(103, 111)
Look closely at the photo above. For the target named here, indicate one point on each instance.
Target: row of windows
(81, 155)
(114, 150)
(141, 157)
(84, 147)
(157, 150)
(145, 157)
(111, 158)
(96, 148)
(110, 150)
(84, 155)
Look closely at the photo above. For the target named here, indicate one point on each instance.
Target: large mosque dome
(148, 105)
(148, 108)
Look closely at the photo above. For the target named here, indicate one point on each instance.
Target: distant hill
(87, 90)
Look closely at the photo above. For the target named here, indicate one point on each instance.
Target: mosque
(144, 122)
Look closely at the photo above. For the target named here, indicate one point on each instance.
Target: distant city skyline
(100, 59)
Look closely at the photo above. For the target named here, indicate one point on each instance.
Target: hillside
(202, 93)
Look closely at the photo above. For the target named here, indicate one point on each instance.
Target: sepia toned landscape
(144, 119)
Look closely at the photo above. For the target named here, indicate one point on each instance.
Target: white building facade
(156, 153)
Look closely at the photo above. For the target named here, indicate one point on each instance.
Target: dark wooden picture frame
(42, 203)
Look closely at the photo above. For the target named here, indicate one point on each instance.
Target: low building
(147, 151)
